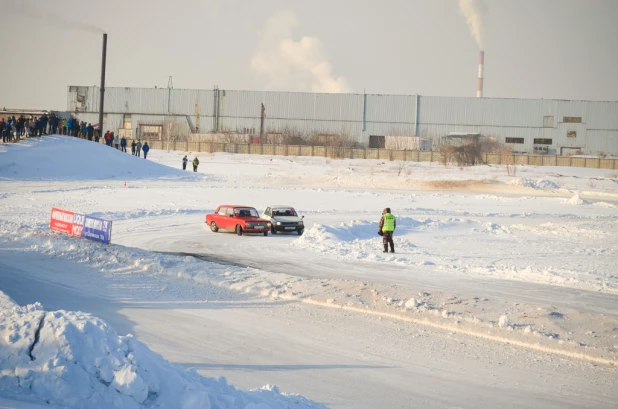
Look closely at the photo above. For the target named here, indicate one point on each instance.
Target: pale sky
(564, 49)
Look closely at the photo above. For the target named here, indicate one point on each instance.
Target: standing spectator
(196, 162)
(21, 125)
(27, 127)
(138, 148)
(123, 144)
(133, 148)
(75, 128)
(8, 130)
(116, 140)
(184, 163)
(108, 138)
(64, 126)
(38, 126)
(44, 121)
(33, 127)
(3, 130)
(84, 130)
(70, 126)
(145, 148)
(55, 124)
(90, 131)
(96, 135)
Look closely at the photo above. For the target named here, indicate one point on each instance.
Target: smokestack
(102, 100)
(479, 90)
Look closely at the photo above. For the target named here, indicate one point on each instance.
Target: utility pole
(262, 114)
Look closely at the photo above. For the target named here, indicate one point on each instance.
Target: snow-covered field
(503, 290)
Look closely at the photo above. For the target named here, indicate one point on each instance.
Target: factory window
(572, 119)
(571, 134)
(548, 121)
(541, 141)
(127, 121)
(514, 140)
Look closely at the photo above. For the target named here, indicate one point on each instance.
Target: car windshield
(284, 212)
(245, 212)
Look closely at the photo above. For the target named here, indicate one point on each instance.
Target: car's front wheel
(300, 231)
(239, 230)
(265, 233)
(273, 229)
(213, 227)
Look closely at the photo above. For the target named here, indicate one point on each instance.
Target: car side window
(222, 211)
(267, 212)
(230, 211)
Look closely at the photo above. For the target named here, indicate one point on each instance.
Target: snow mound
(358, 239)
(540, 184)
(69, 158)
(575, 200)
(75, 360)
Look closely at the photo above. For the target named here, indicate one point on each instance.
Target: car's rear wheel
(265, 233)
(238, 230)
(300, 231)
(213, 227)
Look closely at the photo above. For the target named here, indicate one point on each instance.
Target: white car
(283, 219)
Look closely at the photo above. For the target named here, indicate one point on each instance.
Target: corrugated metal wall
(359, 115)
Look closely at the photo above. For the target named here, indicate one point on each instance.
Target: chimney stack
(479, 90)
(102, 91)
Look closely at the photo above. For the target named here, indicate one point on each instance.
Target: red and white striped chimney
(479, 90)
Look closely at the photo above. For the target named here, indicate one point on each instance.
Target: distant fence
(381, 154)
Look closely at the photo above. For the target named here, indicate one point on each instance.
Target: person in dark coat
(90, 131)
(123, 144)
(184, 162)
(44, 121)
(145, 148)
(133, 148)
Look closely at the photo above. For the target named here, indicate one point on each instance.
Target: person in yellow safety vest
(388, 223)
(196, 162)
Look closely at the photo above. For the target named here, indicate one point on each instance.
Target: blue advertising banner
(97, 229)
(81, 225)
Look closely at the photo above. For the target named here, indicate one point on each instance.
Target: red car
(241, 219)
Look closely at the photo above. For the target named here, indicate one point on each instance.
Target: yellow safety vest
(389, 222)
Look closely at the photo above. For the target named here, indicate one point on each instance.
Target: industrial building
(553, 127)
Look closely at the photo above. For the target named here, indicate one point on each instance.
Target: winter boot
(385, 248)
(392, 247)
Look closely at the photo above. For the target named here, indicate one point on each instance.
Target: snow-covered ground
(503, 290)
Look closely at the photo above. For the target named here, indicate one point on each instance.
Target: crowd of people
(12, 129)
(120, 143)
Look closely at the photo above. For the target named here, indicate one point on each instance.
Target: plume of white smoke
(474, 12)
(289, 64)
(22, 8)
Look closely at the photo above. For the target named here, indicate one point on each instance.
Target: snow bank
(76, 360)
(358, 239)
(69, 158)
(539, 184)
(576, 200)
